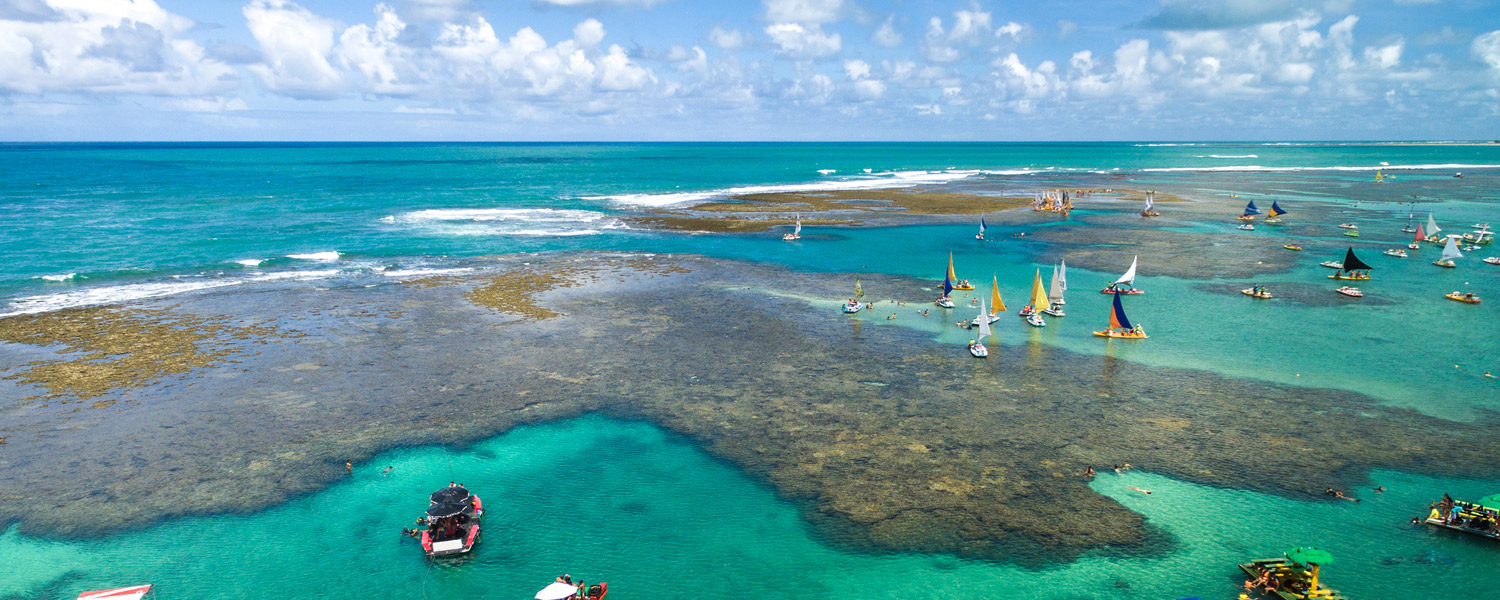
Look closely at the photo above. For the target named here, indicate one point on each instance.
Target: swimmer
(1088, 472)
(349, 464)
(1487, 374)
(1146, 492)
(1380, 489)
(387, 470)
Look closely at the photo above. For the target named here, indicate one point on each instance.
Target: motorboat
(1396, 252)
(1351, 234)
(1246, 227)
(1035, 320)
(1465, 297)
(566, 590)
(135, 592)
(452, 519)
(1332, 264)
(1352, 292)
(1494, 260)
(1296, 247)
(1257, 292)
(944, 302)
(1348, 226)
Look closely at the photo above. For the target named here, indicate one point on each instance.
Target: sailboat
(1276, 213)
(1352, 268)
(1150, 210)
(855, 304)
(958, 284)
(1038, 300)
(1127, 280)
(1055, 295)
(944, 301)
(1250, 212)
(982, 227)
(976, 347)
(796, 233)
(1119, 326)
(1415, 243)
(1379, 177)
(1432, 229)
(997, 306)
(1411, 217)
(1450, 252)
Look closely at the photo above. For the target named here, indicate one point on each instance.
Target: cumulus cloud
(803, 11)
(1224, 14)
(728, 39)
(1486, 48)
(887, 35)
(295, 45)
(797, 41)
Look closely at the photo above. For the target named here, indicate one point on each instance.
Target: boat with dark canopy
(452, 520)
(1352, 268)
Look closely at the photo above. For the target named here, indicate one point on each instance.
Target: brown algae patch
(910, 201)
(107, 349)
(515, 292)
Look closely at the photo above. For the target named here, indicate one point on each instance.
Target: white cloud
(887, 35)
(587, 2)
(1486, 47)
(208, 104)
(295, 45)
(727, 39)
(618, 73)
(869, 89)
(805, 12)
(803, 42)
(927, 109)
(857, 69)
(375, 54)
(1385, 56)
(589, 33)
(404, 109)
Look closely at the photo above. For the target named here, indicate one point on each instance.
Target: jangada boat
(1257, 293)
(1246, 227)
(1352, 292)
(453, 516)
(1450, 252)
(1038, 298)
(1276, 212)
(135, 592)
(854, 305)
(1465, 297)
(944, 301)
(1352, 268)
(958, 284)
(1150, 210)
(1126, 283)
(1054, 298)
(997, 306)
(1250, 212)
(1396, 252)
(796, 233)
(976, 346)
(1119, 326)
(1296, 247)
(982, 226)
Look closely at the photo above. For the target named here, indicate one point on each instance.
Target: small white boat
(136, 592)
(1396, 252)
(944, 302)
(982, 226)
(854, 304)
(852, 307)
(1246, 227)
(976, 347)
(1348, 226)
(796, 233)
(1350, 291)
(1054, 310)
(1332, 264)
(1035, 320)
(1494, 260)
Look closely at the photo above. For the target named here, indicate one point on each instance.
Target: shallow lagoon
(625, 502)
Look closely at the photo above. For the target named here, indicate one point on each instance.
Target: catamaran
(1119, 326)
(855, 304)
(1250, 212)
(796, 233)
(944, 301)
(958, 284)
(1276, 212)
(1450, 252)
(982, 227)
(996, 305)
(1055, 294)
(1415, 243)
(1150, 210)
(1352, 268)
(1127, 280)
(976, 346)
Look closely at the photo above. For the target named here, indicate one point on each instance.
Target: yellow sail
(951, 276)
(996, 305)
(1038, 294)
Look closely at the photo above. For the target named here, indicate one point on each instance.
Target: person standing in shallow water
(349, 464)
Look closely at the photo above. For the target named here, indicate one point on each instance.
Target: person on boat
(1265, 576)
(564, 578)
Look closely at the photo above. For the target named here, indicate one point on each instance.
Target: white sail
(1432, 227)
(798, 229)
(1149, 203)
(1055, 293)
(1062, 274)
(1450, 251)
(1129, 276)
(984, 323)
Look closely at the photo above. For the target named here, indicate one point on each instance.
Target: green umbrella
(1308, 555)
(1490, 501)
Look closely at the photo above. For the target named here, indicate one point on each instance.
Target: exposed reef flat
(946, 453)
(916, 201)
(725, 224)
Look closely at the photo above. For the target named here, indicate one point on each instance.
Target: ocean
(104, 224)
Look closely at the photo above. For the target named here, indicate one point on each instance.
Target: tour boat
(1276, 212)
(1127, 280)
(796, 233)
(996, 305)
(1466, 297)
(1119, 326)
(982, 227)
(1352, 268)
(958, 284)
(1250, 212)
(1396, 252)
(1348, 226)
(854, 305)
(453, 516)
(976, 347)
(1494, 260)
(1450, 252)
(1352, 292)
(1246, 227)
(1253, 293)
(1468, 517)
(135, 592)
(1297, 247)
(1295, 575)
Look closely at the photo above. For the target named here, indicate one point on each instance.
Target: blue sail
(982, 225)
(1118, 318)
(1250, 209)
(947, 285)
(1276, 210)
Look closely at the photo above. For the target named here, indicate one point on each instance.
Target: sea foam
(324, 256)
(59, 277)
(895, 179)
(508, 221)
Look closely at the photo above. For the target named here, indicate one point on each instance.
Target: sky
(797, 70)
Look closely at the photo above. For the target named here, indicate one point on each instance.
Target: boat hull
(853, 308)
(1262, 296)
(1461, 298)
(1351, 277)
(979, 351)
(1444, 264)
(1125, 292)
(1253, 569)
(1124, 335)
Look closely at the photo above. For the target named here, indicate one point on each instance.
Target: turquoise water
(656, 518)
(93, 224)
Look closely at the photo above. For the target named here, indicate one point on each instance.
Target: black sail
(1353, 263)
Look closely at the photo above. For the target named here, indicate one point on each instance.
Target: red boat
(562, 590)
(136, 592)
(452, 522)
